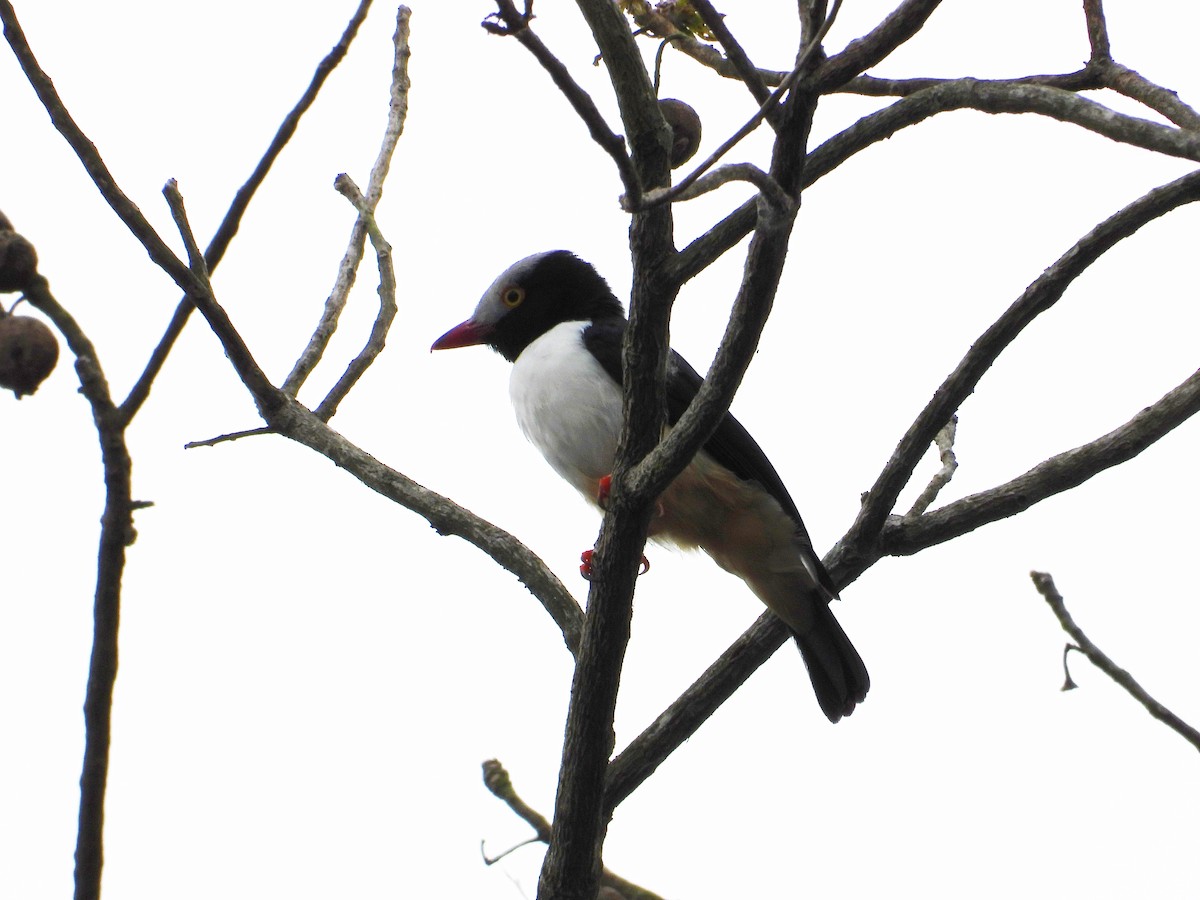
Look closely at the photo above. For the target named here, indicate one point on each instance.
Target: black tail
(838, 675)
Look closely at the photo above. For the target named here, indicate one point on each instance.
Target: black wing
(730, 445)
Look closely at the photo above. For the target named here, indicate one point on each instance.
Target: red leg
(603, 489)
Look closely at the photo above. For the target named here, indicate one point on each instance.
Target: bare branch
(1097, 29)
(733, 50)
(87, 153)
(767, 186)
(1045, 586)
(241, 202)
(941, 96)
(748, 318)
(1003, 97)
(1037, 298)
(653, 22)
(352, 258)
(497, 780)
(517, 25)
(387, 305)
(116, 533)
(1166, 102)
(1057, 474)
(227, 438)
(900, 25)
(1085, 79)
(763, 268)
(266, 396)
(645, 753)
(573, 866)
(296, 423)
(853, 555)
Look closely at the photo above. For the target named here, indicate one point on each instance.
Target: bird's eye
(512, 296)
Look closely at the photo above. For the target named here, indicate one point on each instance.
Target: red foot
(585, 569)
(603, 489)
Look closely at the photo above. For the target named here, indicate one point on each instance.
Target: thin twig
(658, 58)
(387, 304)
(497, 780)
(1045, 586)
(352, 258)
(1053, 476)
(767, 186)
(232, 436)
(241, 202)
(517, 25)
(941, 478)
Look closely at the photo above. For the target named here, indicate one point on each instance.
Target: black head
(531, 297)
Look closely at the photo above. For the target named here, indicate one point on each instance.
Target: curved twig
(945, 445)
(387, 304)
(1045, 586)
(767, 186)
(352, 258)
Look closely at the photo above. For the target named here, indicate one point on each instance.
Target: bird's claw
(603, 489)
(585, 568)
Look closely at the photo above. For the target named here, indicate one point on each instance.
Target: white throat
(568, 406)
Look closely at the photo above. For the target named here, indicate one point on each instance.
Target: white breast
(568, 406)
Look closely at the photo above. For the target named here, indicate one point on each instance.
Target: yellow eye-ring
(512, 296)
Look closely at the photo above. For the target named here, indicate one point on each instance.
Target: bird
(555, 318)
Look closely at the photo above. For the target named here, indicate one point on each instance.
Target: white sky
(310, 677)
